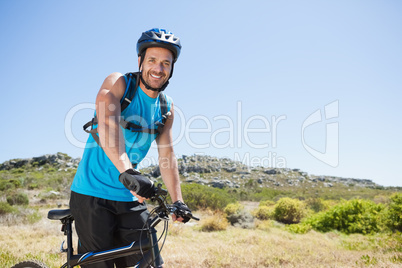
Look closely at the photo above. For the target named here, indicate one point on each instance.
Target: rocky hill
(211, 171)
(224, 172)
(58, 160)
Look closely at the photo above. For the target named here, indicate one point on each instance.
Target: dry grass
(273, 247)
(39, 241)
(216, 222)
(269, 245)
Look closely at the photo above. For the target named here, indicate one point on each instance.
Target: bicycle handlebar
(184, 214)
(164, 210)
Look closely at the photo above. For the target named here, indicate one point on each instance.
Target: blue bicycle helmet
(157, 37)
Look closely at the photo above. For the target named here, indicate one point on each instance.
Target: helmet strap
(162, 88)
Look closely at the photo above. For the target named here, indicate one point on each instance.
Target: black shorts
(103, 224)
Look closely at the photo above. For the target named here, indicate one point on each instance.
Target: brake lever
(159, 191)
(191, 216)
(194, 217)
(187, 214)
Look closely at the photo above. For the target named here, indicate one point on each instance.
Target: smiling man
(107, 194)
(156, 68)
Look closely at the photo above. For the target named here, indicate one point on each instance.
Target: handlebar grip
(186, 214)
(195, 218)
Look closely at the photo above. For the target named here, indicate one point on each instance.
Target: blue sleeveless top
(96, 175)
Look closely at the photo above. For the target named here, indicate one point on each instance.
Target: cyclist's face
(156, 66)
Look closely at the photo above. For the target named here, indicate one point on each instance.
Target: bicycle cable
(164, 233)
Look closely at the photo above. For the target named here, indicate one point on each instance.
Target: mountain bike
(146, 247)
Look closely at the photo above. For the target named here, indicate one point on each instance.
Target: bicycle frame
(148, 244)
(147, 247)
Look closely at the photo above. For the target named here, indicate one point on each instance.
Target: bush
(17, 171)
(199, 196)
(316, 204)
(9, 184)
(238, 217)
(289, 210)
(263, 213)
(5, 185)
(17, 199)
(267, 203)
(233, 208)
(394, 213)
(218, 222)
(6, 208)
(353, 216)
(299, 228)
(33, 186)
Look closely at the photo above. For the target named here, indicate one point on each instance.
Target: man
(106, 207)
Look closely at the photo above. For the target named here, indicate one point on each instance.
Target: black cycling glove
(134, 181)
(182, 211)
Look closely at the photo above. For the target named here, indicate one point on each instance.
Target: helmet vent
(159, 38)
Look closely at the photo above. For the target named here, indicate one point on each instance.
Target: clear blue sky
(246, 66)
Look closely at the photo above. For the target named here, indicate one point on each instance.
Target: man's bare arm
(108, 113)
(168, 161)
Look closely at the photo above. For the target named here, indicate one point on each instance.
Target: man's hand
(139, 185)
(181, 212)
(140, 198)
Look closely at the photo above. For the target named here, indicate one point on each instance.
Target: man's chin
(158, 86)
(155, 85)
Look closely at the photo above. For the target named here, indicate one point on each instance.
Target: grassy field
(267, 245)
(28, 192)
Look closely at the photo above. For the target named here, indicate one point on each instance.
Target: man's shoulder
(113, 83)
(114, 78)
(115, 75)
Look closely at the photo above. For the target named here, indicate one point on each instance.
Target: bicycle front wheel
(30, 264)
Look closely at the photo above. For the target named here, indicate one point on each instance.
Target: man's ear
(139, 62)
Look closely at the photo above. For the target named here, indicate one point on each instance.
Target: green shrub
(51, 169)
(298, 228)
(17, 171)
(17, 183)
(267, 203)
(9, 184)
(353, 216)
(316, 204)
(250, 183)
(289, 211)
(5, 208)
(33, 186)
(394, 213)
(263, 213)
(5, 185)
(233, 208)
(17, 199)
(199, 196)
